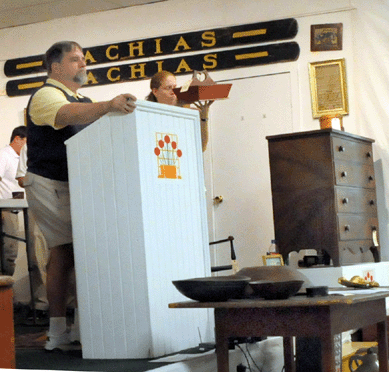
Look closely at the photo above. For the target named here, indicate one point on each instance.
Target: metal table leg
(29, 261)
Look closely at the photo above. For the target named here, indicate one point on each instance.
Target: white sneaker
(61, 342)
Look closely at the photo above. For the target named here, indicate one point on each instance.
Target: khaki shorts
(49, 202)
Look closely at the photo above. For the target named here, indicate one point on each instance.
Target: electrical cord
(247, 359)
(251, 357)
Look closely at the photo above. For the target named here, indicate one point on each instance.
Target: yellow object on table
(349, 349)
(357, 282)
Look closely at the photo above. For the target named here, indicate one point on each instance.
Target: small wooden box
(203, 92)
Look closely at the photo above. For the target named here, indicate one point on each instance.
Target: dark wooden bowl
(274, 274)
(213, 289)
(275, 290)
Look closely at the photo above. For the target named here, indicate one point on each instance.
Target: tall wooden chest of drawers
(324, 197)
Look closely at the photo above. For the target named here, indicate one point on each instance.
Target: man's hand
(124, 103)
(20, 181)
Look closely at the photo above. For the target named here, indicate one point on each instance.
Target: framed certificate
(273, 260)
(328, 88)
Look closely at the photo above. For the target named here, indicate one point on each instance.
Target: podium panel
(139, 222)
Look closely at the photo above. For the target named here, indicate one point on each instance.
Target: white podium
(139, 222)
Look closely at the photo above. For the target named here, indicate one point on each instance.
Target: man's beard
(81, 78)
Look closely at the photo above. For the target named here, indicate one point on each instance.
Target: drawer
(357, 227)
(359, 175)
(355, 200)
(345, 150)
(355, 252)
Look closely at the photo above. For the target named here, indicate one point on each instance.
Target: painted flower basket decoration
(168, 156)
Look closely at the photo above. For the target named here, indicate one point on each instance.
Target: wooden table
(300, 316)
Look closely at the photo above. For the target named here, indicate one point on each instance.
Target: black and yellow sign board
(169, 45)
(213, 61)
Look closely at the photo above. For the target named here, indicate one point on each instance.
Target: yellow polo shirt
(46, 103)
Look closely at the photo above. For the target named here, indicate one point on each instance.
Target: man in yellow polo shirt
(55, 113)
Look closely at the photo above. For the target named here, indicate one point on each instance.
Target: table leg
(221, 345)
(328, 353)
(382, 346)
(29, 261)
(290, 365)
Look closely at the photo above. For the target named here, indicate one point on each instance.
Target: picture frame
(328, 88)
(326, 37)
(273, 260)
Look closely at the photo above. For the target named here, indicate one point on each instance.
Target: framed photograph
(328, 88)
(326, 37)
(273, 260)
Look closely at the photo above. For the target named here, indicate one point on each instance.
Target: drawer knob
(371, 178)
(344, 174)
(368, 154)
(341, 148)
(347, 228)
(345, 201)
(372, 202)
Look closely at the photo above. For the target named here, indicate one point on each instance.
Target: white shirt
(9, 161)
(22, 165)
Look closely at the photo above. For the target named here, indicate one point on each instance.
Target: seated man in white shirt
(9, 159)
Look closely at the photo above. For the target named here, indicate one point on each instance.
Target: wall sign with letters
(153, 50)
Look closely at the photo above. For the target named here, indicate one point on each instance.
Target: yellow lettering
(183, 65)
(209, 36)
(159, 64)
(89, 57)
(212, 59)
(140, 69)
(136, 46)
(108, 52)
(261, 31)
(158, 46)
(109, 74)
(30, 85)
(181, 43)
(91, 79)
(21, 66)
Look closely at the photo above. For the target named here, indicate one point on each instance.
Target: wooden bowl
(276, 290)
(215, 288)
(274, 274)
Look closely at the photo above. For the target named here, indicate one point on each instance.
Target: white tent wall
(365, 49)
(371, 80)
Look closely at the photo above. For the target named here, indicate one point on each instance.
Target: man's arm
(22, 166)
(85, 113)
